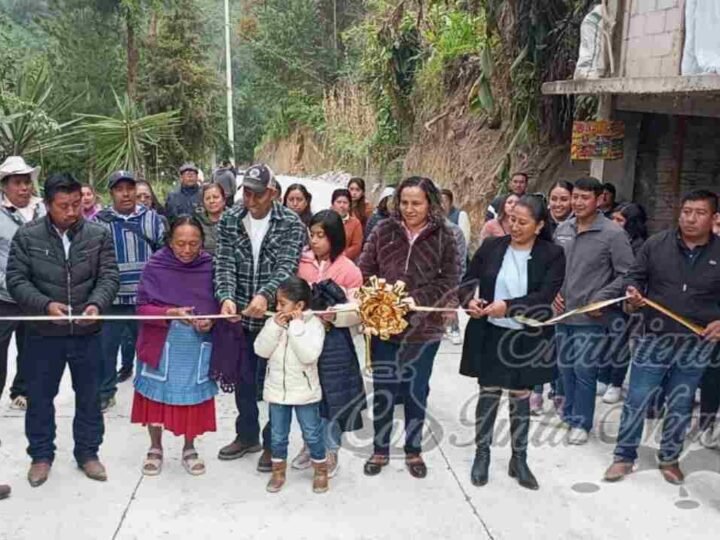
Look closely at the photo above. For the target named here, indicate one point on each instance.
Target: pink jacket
(342, 271)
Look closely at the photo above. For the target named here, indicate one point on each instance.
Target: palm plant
(126, 140)
(29, 117)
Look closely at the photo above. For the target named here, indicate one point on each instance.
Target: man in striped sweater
(136, 232)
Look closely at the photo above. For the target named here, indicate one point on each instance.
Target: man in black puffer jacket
(61, 265)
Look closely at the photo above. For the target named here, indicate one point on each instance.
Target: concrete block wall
(656, 164)
(652, 38)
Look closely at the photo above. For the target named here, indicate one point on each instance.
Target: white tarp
(702, 37)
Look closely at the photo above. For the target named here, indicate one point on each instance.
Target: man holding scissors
(60, 265)
(679, 269)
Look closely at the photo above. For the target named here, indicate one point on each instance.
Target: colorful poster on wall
(597, 140)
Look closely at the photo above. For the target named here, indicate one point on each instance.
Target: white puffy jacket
(293, 352)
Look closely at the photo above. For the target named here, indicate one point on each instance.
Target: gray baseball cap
(258, 178)
(189, 166)
(120, 176)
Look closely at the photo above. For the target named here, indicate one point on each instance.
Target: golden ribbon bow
(383, 308)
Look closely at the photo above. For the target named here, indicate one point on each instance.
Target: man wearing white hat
(17, 207)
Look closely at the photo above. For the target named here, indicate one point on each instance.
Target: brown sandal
(375, 464)
(416, 466)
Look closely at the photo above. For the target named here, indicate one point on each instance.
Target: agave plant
(28, 117)
(124, 141)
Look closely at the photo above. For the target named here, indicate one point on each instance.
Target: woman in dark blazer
(513, 275)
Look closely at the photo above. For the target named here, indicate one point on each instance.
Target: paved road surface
(230, 500)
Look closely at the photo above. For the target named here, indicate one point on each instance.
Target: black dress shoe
(4, 491)
(237, 449)
(416, 466)
(375, 464)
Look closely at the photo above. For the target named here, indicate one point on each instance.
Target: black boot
(485, 413)
(519, 431)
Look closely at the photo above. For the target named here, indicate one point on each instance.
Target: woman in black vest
(518, 274)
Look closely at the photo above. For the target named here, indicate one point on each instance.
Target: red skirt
(187, 420)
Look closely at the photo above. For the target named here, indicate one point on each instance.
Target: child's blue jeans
(308, 417)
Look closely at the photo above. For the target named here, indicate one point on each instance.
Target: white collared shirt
(65, 241)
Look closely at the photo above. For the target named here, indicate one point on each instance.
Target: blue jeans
(18, 388)
(681, 361)
(247, 424)
(556, 385)
(113, 335)
(308, 416)
(127, 350)
(401, 369)
(332, 434)
(45, 359)
(617, 359)
(579, 349)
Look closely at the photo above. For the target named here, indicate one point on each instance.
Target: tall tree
(178, 76)
(132, 13)
(75, 27)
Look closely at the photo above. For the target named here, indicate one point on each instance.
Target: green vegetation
(364, 76)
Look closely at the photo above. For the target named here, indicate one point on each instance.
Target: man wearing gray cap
(188, 197)
(259, 246)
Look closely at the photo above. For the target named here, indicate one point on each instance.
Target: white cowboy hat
(387, 192)
(16, 165)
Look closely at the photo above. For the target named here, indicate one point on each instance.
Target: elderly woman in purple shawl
(173, 387)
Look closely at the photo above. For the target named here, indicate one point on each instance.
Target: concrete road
(230, 501)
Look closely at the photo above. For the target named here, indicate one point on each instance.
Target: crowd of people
(274, 271)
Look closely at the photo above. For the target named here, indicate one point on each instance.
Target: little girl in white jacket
(292, 342)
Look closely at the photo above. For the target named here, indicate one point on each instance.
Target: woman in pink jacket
(334, 279)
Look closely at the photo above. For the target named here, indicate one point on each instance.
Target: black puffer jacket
(38, 272)
(341, 381)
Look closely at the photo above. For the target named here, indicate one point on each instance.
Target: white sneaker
(600, 389)
(19, 403)
(577, 436)
(612, 395)
(456, 338)
(302, 461)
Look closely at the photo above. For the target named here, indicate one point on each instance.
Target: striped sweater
(130, 236)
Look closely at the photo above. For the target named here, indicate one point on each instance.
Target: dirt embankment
(456, 148)
(297, 155)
